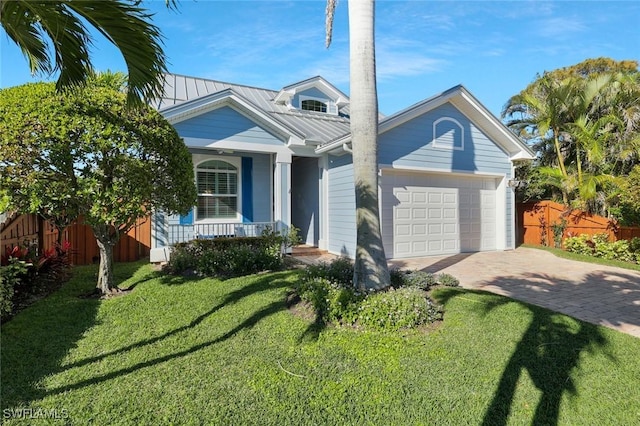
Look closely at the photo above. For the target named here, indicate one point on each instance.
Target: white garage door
(424, 215)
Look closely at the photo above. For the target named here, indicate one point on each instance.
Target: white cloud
(559, 27)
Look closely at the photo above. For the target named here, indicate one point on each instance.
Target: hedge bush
(329, 289)
(24, 274)
(227, 257)
(599, 246)
(405, 307)
(11, 276)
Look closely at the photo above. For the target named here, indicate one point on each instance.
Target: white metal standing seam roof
(318, 128)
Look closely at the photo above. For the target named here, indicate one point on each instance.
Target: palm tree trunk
(370, 269)
(556, 142)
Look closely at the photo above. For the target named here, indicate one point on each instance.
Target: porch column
(323, 205)
(282, 191)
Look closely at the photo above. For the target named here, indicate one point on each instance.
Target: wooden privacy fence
(536, 220)
(32, 230)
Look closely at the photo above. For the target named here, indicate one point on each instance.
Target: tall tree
(370, 269)
(590, 114)
(59, 25)
(86, 152)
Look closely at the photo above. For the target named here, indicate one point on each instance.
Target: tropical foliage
(54, 37)
(86, 153)
(583, 122)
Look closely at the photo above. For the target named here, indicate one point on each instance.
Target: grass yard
(204, 351)
(584, 258)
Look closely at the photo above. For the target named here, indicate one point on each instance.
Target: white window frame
(441, 145)
(328, 102)
(235, 162)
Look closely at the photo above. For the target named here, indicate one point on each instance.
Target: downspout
(345, 146)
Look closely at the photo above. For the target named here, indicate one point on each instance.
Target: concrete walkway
(601, 295)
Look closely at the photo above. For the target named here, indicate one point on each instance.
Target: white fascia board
(410, 113)
(281, 151)
(284, 96)
(500, 133)
(335, 144)
(391, 168)
(522, 156)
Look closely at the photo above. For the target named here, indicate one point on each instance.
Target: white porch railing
(183, 233)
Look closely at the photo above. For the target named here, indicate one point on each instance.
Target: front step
(307, 250)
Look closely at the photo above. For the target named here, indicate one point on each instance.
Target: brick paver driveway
(601, 295)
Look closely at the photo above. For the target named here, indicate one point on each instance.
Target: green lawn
(585, 258)
(203, 351)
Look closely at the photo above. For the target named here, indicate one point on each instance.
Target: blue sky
(423, 47)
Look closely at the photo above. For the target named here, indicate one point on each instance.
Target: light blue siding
(342, 206)
(225, 124)
(411, 145)
(305, 208)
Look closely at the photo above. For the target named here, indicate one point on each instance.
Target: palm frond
(23, 29)
(130, 29)
(329, 14)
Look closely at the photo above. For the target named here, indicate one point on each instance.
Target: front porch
(182, 233)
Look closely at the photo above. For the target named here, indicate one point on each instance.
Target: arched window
(313, 105)
(217, 183)
(448, 133)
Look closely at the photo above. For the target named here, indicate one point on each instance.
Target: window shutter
(187, 219)
(247, 189)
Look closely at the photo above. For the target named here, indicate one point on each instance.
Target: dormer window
(317, 104)
(313, 105)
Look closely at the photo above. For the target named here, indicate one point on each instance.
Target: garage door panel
(438, 214)
(420, 229)
(419, 198)
(435, 213)
(403, 213)
(449, 213)
(435, 198)
(419, 246)
(435, 229)
(418, 213)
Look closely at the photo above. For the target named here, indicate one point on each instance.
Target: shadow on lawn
(36, 341)
(549, 351)
(270, 282)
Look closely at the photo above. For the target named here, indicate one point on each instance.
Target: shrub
(448, 280)
(332, 301)
(328, 287)
(581, 244)
(558, 232)
(228, 257)
(616, 250)
(395, 309)
(599, 246)
(634, 245)
(419, 279)
(11, 276)
(339, 270)
(397, 277)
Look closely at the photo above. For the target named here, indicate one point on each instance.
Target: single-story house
(275, 158)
